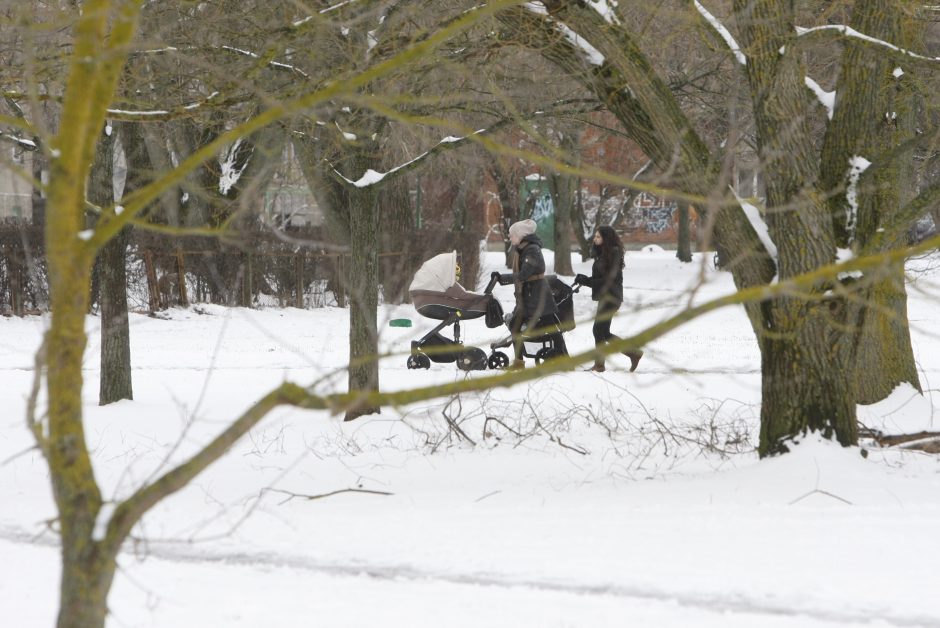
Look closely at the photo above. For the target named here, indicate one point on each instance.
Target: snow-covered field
(583, 499)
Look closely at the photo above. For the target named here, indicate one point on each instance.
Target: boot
(634, 358)
(516, 365)
(599, 366)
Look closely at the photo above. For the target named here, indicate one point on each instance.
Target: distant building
(292, 206)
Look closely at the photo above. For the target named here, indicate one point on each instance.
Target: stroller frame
(563, 321)
(436, 347)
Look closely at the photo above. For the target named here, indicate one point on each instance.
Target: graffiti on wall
(650, 214)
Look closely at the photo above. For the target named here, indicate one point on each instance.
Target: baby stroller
(437, 295)
(538, 344)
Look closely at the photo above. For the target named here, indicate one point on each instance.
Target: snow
(897, 73)
(827, 99)
(606, 9)
(723, 32)
(757, 222)
(371, 177)
(19, 140)
(667, 517)
(591, 54)
(848, 31)
(857, 165)
(229, 174)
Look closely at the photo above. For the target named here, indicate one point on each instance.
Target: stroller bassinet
(437, 295)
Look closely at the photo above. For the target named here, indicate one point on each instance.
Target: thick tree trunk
(803, 387)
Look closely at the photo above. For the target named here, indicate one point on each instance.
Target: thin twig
(292, 495)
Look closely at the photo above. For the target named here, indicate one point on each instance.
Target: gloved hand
(582, 280)
(494, 275)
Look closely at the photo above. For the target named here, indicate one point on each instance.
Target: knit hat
(522, 228)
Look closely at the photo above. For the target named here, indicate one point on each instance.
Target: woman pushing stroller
(606, 283)
(535, 312)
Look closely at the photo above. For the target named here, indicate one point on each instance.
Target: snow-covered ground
(583, 499)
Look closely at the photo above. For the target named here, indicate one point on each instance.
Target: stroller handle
(494, 279)
(490, 285)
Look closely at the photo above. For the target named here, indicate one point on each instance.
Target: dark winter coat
(533, 294)
(607, 279)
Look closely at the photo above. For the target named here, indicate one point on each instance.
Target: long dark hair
(610, 252)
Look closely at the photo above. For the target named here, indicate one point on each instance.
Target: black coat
(533, 294)
(607, 282)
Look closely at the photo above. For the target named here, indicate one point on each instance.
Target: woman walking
(606, 282)
(535, 307)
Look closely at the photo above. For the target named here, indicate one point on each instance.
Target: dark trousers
(605, 314)
(546, 323)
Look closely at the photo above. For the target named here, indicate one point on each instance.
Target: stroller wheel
(419, 361)
(473, 359)
(498, 360)
(547, 353)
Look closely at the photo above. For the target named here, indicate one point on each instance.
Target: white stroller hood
(437, 274)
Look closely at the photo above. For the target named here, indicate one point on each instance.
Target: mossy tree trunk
(87, 567)
(874, 118)
(800, 389)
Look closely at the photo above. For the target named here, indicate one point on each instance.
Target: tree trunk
(37, 200)
(116, 380)
(884, 356)
(87, 574)
(363, 289)
(802, 386)
(111, 285)
(397, 225)
(509, 201)
(562, 186)
(884, 352)
(684, 243)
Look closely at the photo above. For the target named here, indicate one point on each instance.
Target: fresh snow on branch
(273, 64)
(371, 177)
(724, 32)
(321, 12)
(757, 221)
(828, 99)
(160, 112)
(848, 31)
(592, 54)
(128, 112)
(30, 144)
